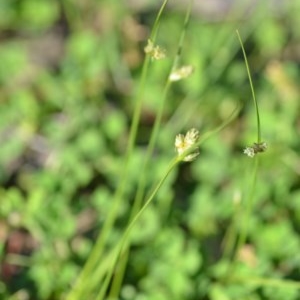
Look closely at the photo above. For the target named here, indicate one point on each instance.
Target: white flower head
(249, 151)
(183, 143)
(255, 148)
(181, 73)
(155, 52)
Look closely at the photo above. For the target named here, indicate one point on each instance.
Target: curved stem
(252, 89)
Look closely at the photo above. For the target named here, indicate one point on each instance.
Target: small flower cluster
(255, 148)
(156, 52)
(183, 143)
(181, 73)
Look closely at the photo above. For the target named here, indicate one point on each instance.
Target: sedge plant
(98, 274)
(250, 151)
(84, 284)
(176, 73)
(95, 276)
(243, 211)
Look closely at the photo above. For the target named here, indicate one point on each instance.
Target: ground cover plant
(149, 150)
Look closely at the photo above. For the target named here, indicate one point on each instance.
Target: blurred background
(69, 71)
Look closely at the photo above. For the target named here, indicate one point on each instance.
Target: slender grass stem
(214, 131)
(252, 88)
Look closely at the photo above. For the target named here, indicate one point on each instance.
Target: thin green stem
(208, 134)
(182, 37)
(252, 89)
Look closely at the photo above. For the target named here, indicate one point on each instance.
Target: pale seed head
(184, 143)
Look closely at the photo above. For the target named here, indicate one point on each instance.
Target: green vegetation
(100, 195)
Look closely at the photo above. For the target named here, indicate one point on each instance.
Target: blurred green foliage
(68, 74)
